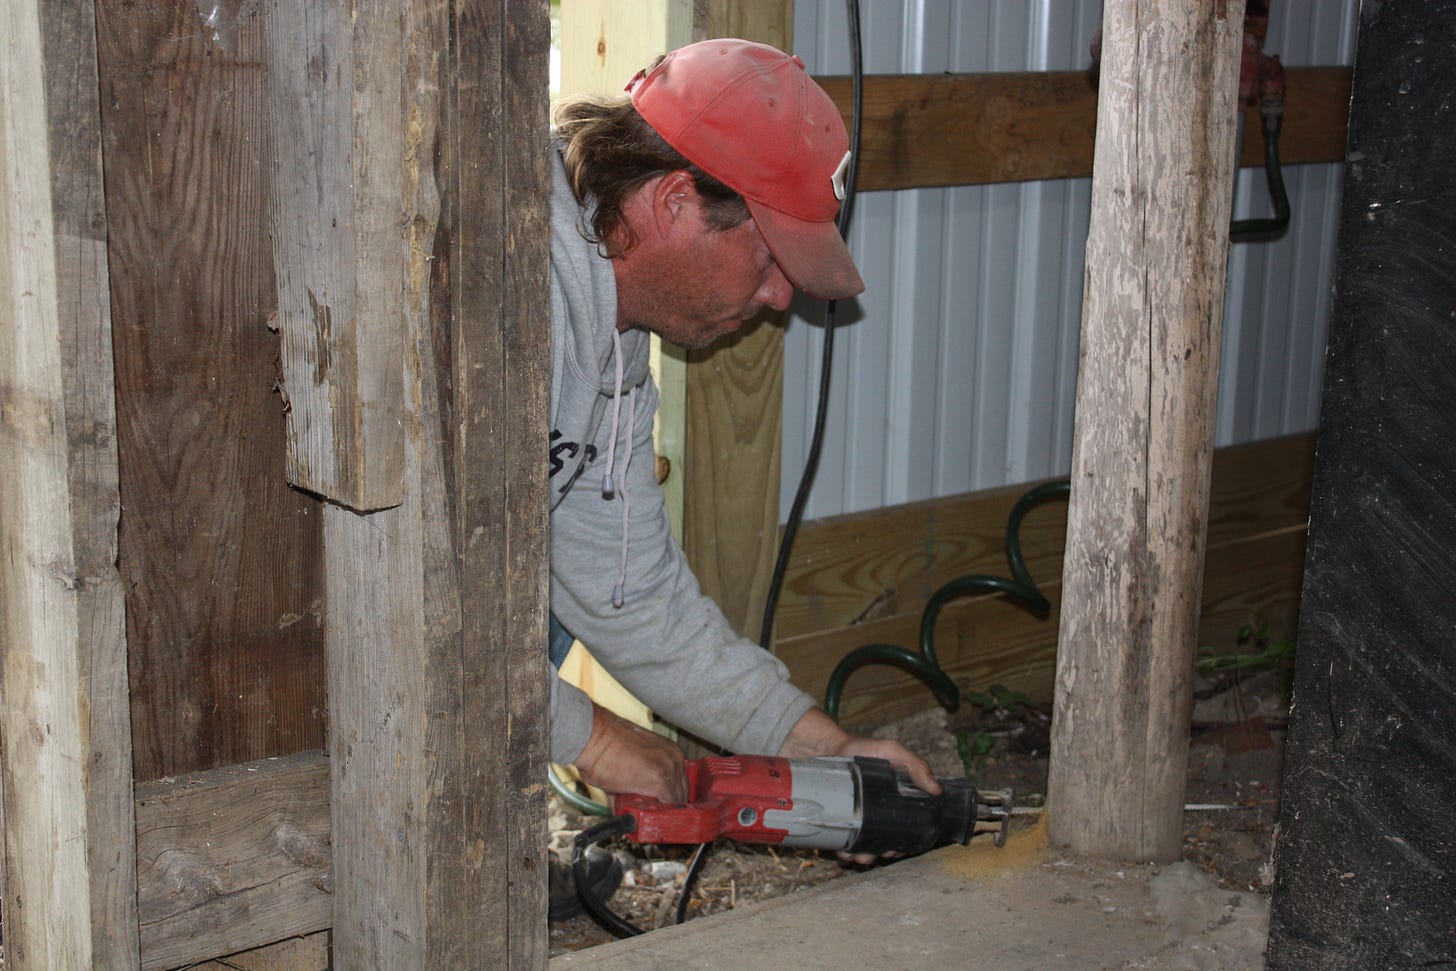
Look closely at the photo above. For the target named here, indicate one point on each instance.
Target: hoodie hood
(584, 295)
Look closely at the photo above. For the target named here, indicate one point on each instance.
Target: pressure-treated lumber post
(603, 43)
(1152, 315)
(65, 774)
(735, 404)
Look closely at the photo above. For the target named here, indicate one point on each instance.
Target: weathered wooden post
(1152, 315)
(427, 372)
(65, 729)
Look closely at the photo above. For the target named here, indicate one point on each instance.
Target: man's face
(702, 283)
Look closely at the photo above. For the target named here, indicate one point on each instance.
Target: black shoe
(604, 876)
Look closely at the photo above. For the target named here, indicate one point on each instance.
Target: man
(682, 209)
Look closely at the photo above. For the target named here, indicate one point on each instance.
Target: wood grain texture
(925, 130)
(232, 858)
(378, 646)
(731, 453)
(605, 42)
(309, 953)
(731, 469)
(336, 119)
(498, 133)
(871, 566)
(65, 754)
(980, 641)
(524, 353)
(1143, 441)
(437, 683)
(221, 560)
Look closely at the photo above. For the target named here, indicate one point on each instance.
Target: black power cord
(596, 906)
(616, 826)
(816, 443)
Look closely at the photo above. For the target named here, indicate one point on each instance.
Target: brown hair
(610, 151)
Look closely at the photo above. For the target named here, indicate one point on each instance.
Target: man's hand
(818, 734)
(621, 757)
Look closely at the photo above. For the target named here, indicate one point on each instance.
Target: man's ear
(674, 196)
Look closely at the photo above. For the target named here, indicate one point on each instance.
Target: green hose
(573, 798)
(924, 665)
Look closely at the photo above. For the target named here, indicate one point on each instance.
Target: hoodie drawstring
(609, 486)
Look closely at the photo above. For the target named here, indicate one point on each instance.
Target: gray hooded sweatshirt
(668, 644)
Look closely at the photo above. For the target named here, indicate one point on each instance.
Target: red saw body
(854, 805)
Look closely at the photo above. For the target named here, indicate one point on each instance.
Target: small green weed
(996, 704)
(1267, 655)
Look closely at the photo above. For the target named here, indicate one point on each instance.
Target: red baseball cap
(751, 117)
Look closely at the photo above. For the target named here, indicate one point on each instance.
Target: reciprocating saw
(851, 805)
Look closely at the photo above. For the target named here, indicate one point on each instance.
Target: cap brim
(811, 254)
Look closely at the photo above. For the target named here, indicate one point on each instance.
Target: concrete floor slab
(1022, 906)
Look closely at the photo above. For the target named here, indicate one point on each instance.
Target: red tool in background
(849, 805)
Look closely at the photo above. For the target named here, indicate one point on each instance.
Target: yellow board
(603, 43)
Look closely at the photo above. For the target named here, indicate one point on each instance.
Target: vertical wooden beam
(734, 409)
(437, 607)
(337, 127)
(605, 42)
(65, 735)
(1152, 315)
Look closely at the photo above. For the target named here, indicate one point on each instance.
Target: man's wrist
(814, 734)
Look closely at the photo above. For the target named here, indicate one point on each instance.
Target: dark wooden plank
(1366, 855)
(219, 557)
(525, 382)
(498, 134)
(69, 875)
(968, 129)
(233, 858)
(1316, 116)
(1142, 453)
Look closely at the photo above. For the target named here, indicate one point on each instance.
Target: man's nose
(776, 291)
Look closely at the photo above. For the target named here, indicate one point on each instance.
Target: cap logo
(837, 179)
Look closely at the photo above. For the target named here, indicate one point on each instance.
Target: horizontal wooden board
(986, 640)
(309, 953)
(233, 858)
(924, 130)
(862, 567)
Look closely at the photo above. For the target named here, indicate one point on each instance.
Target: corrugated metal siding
(956, 370)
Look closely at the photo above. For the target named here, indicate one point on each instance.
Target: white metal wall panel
(956, 369)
